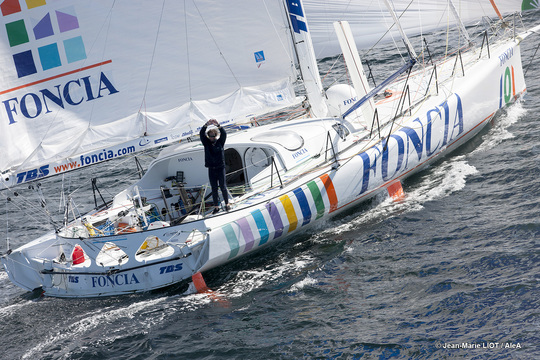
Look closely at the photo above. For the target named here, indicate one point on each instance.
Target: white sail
(86, 81)
(369, 20)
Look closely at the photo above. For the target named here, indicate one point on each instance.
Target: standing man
(213, 138)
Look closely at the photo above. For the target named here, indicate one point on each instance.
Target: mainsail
(87, 81)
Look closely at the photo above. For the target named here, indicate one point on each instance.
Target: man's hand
(212, 122)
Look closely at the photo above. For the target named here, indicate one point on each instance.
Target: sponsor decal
(170, 268)
(412, 145)
(144, 142)
(114, 280)
(350, 101)
(295, 11)
(506, 55)
(82, 161)
(259, 58)
(31, 105)
(507, 87)
(300, 153)
(32, 174)
(43, 39)
(160, 140)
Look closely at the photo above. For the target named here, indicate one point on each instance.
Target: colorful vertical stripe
(317, 197)
(330, 191)
(234, 245)
(276, 219)
(261, 226)
(304, 205)
(246, 233)
(289, 210)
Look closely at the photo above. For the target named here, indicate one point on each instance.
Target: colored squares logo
(32, 31)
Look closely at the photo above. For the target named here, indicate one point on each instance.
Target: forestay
(87, 81)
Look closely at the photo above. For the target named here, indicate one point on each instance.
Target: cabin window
(341, 130)
(234, 168)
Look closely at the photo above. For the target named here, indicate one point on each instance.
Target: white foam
(307, 281)
(499, 132)
(250, 280)
(436, 183)
(9, 309)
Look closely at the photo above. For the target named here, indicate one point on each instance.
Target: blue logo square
(24, 63)
(74, 48)
(49, 56)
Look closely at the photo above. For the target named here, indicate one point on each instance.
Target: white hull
(312, 189)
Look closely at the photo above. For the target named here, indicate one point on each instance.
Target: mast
(306, 58)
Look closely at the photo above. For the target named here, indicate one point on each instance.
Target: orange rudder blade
(395, 190)
(199, 283)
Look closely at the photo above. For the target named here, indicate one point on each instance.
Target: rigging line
(154, 50)
(7, 225)
(121, 161)
(216, 44)
(29, 204)
(530, 62)
(25, 210)
(331, 68)
(187, 51)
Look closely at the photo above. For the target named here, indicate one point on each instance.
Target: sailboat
(94, 81)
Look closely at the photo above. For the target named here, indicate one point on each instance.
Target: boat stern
(22, 271)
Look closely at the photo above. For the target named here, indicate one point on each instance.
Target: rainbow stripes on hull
(280, 216)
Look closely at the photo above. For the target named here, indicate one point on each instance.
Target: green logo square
(17, 34)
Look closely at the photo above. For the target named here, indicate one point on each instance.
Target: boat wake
(90, 324)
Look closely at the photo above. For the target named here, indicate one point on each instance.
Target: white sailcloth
(86, 81)
(369, 20)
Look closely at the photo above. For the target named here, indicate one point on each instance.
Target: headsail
(369, 20)
(84, 82)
